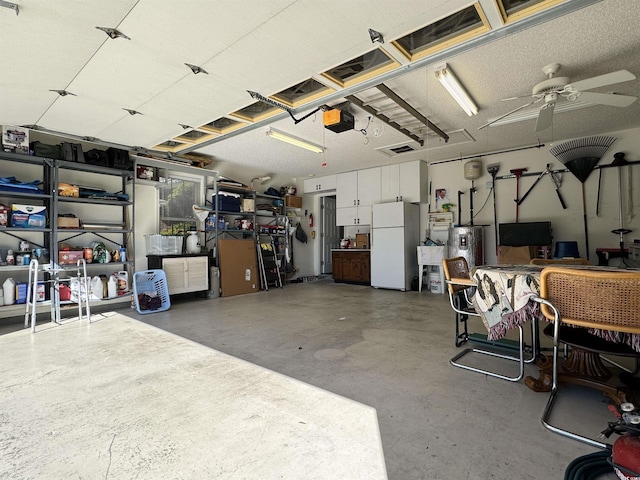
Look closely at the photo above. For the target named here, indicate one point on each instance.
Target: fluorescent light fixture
(532, 113)
(456, 90)
(298, 142)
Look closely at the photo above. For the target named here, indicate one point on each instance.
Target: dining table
(503, 299)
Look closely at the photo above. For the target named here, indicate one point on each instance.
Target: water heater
(467, 242)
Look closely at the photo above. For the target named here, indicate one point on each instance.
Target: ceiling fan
(555, 88)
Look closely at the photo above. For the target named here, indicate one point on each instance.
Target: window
(451, 30)
(514, 10)
(303, 92)
(177, 197)
(361, 68)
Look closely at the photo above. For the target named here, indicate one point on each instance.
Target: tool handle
(564, 205)
(520, 200)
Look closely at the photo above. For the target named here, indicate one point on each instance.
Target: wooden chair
(559, 261)
(606, 300)
(460, 287)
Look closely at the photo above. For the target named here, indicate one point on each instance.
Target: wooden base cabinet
(184, 273)
(352, 266)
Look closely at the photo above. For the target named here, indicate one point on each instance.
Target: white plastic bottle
(193, 243)
(9, 287)
(112, 287)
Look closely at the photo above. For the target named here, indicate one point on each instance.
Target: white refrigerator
(395, 233)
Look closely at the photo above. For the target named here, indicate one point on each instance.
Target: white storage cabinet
(404, 182)
(355, 193)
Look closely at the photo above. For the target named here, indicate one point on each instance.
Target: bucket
(435, 285)
(566, 250)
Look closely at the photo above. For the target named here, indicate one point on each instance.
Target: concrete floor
(388, 350)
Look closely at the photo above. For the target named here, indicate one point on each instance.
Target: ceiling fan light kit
(293, 140)
(456, 89)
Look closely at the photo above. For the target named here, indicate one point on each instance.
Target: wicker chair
(460, 287)
(607, 300)
(559, 261)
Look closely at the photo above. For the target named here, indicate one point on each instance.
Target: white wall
(542, 203)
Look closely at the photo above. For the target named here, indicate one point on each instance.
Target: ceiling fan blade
(611, 99)
(545, 117)
(603, 80)
(506, 114)
(514, 98)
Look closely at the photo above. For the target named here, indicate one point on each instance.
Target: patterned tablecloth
(502, 296)
(503, 300)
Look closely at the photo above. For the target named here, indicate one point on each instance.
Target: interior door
(330, 232)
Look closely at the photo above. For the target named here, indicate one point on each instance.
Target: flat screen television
(525, 233)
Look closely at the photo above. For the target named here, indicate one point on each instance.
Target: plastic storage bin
(163, 244)
(151, 284)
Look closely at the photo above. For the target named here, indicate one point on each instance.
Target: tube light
(298, 142)
(456, 90)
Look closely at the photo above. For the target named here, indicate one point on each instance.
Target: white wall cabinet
(319, 184)
(404, 182)
(355, 193)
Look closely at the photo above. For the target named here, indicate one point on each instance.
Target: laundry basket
(150, 291)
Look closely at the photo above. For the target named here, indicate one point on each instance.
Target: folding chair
(460, 287)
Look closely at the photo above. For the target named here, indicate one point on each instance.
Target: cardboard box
(4, 215)
(362, 240)
(248, 205)
(68, 222)
(70, 257)
(515, 255)
(238, 267)
(293, 201)
(28, 216)
(15, 139)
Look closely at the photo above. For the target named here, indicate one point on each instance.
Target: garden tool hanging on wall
(580, 156)
(619, 161)
(518, 173)
(555, 178)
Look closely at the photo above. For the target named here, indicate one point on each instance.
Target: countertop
(350, 249)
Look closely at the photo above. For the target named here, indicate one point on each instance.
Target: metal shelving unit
(118, 233)
(216, 231)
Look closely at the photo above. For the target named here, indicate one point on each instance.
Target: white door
(388, 215)
(387, 258)
(330, 232)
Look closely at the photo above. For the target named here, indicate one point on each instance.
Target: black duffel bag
(46, 151)
(119, 158)
(96, 157)
(71, 152)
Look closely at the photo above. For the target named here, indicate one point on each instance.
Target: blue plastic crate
(151, 281)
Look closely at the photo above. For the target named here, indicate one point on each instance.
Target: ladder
(268, 262)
